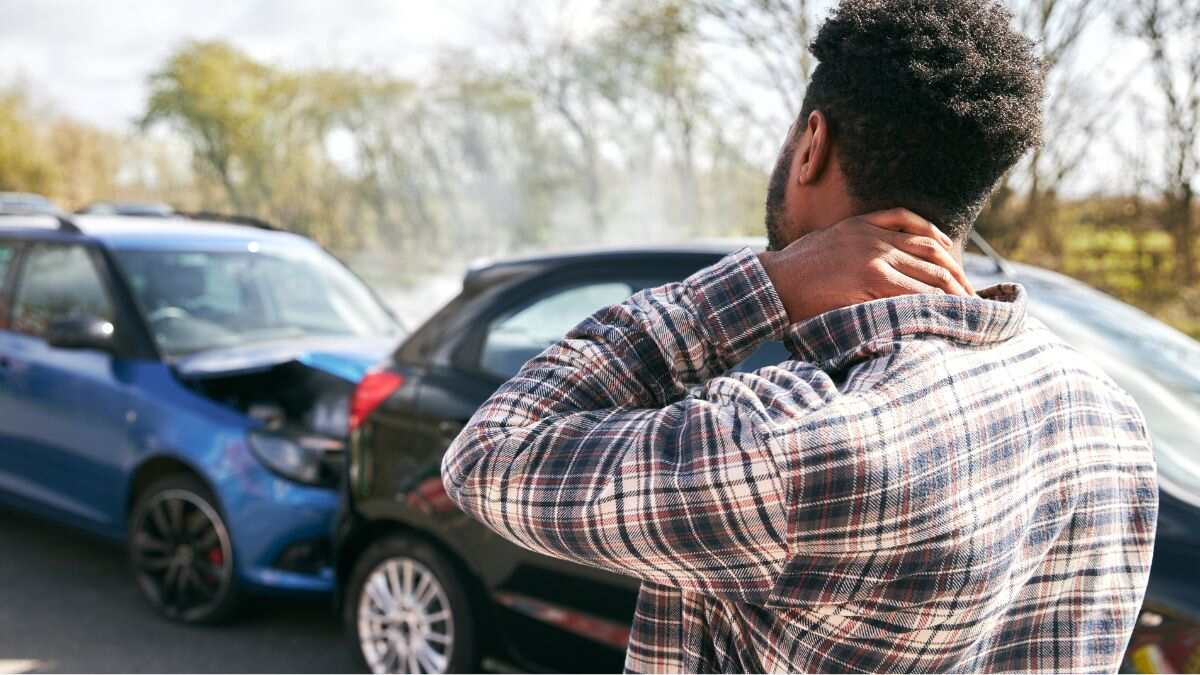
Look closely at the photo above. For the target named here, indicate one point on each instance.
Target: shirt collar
(841, 337)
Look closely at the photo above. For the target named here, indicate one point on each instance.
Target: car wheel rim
(181, 554)
(404, 620)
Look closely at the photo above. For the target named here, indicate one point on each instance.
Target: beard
(776, 218)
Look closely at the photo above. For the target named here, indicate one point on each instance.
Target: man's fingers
(930, 250)
(927, 273)
(903, 220)
(902, 284)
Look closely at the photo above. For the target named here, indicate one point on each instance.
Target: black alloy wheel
(180, 551)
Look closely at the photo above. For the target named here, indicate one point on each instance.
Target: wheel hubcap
(404, 619)
(181, 554)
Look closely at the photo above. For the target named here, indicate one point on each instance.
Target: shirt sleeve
(623, 447)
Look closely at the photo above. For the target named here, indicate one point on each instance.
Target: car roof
(23, 197)
(167, 233)
(485, 273)
(26, 203)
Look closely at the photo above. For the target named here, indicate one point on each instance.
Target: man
(933, 483)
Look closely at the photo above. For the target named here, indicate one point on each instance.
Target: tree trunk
(1185, 252)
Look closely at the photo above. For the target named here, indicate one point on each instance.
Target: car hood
(347, 358)
(1156, 364)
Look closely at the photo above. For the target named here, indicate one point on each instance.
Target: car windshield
(199, 300)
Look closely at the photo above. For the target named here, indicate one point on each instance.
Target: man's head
(921, 104)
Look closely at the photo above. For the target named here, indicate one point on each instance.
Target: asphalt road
(67, 604)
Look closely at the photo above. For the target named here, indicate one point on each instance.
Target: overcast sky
(91, 59)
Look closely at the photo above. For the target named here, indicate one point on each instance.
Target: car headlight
(311, 460)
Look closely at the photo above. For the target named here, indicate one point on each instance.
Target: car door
(63, 415)
(9, 250)
(589, 602)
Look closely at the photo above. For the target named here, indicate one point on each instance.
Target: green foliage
(25, 166)
(245, 122)
(1114, 244)
(60, 158)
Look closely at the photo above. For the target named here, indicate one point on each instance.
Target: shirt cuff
(738, 304)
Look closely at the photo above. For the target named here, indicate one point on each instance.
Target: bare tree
(1171, 32)
(559, 67)
(775, 34)
(1027, 199)
(654, 49)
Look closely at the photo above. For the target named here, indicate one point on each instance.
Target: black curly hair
(928, 102)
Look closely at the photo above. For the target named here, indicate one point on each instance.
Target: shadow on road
(68, 604)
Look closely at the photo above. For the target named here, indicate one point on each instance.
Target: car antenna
(1002, 266)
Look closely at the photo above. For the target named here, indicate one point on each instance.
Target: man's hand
(877, 255)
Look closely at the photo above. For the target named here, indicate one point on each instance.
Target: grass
(1137, 266)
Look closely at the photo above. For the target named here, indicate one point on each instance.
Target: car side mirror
(82, 333)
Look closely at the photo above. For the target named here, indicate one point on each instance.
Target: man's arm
(595, 452)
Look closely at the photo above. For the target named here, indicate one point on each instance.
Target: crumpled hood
(347, 358)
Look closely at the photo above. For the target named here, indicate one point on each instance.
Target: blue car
(183, 385)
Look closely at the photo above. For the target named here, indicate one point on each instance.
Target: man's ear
(812, 155)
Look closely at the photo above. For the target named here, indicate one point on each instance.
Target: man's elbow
(459, 463)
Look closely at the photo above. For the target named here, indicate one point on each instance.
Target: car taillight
(373, 390)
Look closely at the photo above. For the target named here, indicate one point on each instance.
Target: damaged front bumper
(281, 531)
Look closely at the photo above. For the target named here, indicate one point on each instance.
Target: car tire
(180, 552)
(416, 583)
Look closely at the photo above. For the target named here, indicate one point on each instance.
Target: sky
(91, 59)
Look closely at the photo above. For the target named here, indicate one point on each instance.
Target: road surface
(67, 604)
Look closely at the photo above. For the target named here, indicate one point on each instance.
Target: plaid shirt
(935, 483)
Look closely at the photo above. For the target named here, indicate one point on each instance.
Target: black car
(425, 588)
(485, 596)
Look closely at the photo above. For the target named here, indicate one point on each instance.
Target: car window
(200, 300)
(8, 252)
(515, 337)
(304, 300)
(58, 282)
